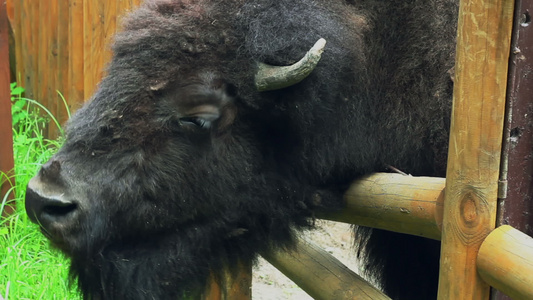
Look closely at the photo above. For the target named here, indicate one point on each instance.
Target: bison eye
(195, 121)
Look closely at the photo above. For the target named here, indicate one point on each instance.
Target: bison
(217, 134)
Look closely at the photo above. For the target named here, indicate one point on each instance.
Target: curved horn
(270, 78)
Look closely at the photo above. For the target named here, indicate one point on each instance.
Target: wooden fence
(61, 45)
(6, 136)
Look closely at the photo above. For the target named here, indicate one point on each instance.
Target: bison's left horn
(270, 78)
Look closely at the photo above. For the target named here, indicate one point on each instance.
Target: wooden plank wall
(6, 136)
(63, 46)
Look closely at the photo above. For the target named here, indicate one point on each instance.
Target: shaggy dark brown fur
(178, 166)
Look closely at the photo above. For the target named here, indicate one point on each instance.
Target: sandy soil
(271, 284)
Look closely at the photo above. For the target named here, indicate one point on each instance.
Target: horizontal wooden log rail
(411, 205)
(394, 202)
(505, 261)
(320, 274)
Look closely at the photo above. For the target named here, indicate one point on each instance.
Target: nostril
(59, 208)
(45, 209)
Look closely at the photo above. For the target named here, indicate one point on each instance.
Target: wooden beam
(505, 261)
(394, 202)
(320, 274)
(6, 132)
(483, 46)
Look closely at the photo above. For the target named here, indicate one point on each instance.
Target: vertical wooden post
(483, 45)
(6, 133)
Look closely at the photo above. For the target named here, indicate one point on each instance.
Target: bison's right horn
(270, 78)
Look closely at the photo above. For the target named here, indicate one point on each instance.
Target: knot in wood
(469, 210)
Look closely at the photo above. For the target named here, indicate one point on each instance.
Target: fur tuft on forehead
(164, 37)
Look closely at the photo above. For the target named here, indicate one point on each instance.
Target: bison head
(161, 178)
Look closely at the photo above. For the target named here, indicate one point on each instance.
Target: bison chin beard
(163, 267)
(173, 265)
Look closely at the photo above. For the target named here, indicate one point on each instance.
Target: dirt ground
(270, 284)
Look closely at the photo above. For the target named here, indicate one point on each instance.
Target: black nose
(44, 210)
(45, 196)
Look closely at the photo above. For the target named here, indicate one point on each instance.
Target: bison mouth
(58, 235)
(56, 240)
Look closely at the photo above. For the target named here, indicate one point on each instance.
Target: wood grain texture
(64, 46)
(505, 261)
(76, 82)
(483, 44)
(320, 274)
(52, 63)
(43, 47)
(110, 28)
(29, 37)
(62, 61)
(394, 202)
(92, 45)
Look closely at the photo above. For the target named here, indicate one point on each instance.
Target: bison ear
(207, 104)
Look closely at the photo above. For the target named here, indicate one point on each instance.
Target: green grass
(29, 268)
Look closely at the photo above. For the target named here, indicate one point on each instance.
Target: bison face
(159, 153)
(171, 170)
(131, 163)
